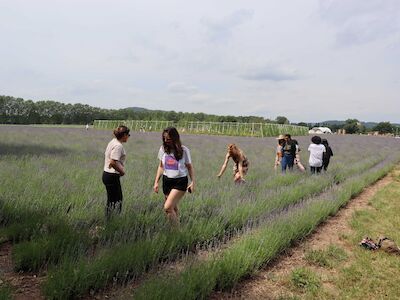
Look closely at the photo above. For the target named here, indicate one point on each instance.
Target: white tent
(320, 130)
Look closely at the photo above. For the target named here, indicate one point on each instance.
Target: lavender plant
(57, 190)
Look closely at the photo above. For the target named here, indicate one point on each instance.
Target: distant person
(114, 159)
(278, 152)
(241, 163)
(327, 155)
(297, 161)
(87, 126)
(316, 150)
(288, 153)
(175, 166)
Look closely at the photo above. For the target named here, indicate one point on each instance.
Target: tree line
(354, 126)
(19, 111)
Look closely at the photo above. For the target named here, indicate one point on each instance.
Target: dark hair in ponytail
(120, 131)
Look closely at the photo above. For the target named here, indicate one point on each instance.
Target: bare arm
(160, 170)
(224, 165)
(277, 160)
(117, 166)
(191, 174)
(241, 169)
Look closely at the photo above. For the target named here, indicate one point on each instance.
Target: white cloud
(182, 88)
(222, 29)
(361, 21)
(270, 72)
(220, 57)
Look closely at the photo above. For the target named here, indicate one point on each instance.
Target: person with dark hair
(288, 153)
(175, 166)
(114, 159)
(327, 155)
(297, 161)
(241, 163)
(317, 151)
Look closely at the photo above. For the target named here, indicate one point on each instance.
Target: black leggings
(325, 164)
(315, 170)
(114, 192)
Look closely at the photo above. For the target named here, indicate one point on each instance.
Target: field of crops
(52, 209)
(209, 128)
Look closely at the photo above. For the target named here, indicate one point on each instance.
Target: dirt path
(24, 285)
(264, 285)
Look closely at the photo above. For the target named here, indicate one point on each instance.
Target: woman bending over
(241, 165)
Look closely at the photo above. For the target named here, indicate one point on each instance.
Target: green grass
(358, 273)
(5, 291)
(375, 272)
(305, 279)
(326, 258)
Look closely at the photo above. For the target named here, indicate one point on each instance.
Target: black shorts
(179, 183)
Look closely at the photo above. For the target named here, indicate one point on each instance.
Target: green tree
(353, 126)
(281, 120)
(384, 127)
(304, 124)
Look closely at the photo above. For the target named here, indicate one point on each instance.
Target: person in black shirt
(288, 153)
(327, 155)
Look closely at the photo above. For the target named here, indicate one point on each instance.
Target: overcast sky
(308, 60)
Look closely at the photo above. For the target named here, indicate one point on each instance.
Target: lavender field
(52, 209)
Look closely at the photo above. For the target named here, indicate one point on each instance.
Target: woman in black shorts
(175, 166)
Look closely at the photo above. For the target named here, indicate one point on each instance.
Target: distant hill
(368, 125)
(332, 122)
(137, 108)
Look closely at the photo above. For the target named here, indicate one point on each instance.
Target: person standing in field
(288, 153)
(278, 152)
(327, 155)
(317, 151)
(297, 161)
(114, 159)
(175, 166)
(241, 165)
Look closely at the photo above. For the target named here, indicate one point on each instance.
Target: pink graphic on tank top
(171, 163)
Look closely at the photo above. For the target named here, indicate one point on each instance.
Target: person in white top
(316, 150)
(175, 165)
(114, 160)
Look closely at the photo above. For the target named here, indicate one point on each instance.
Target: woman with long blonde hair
(241, 163)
